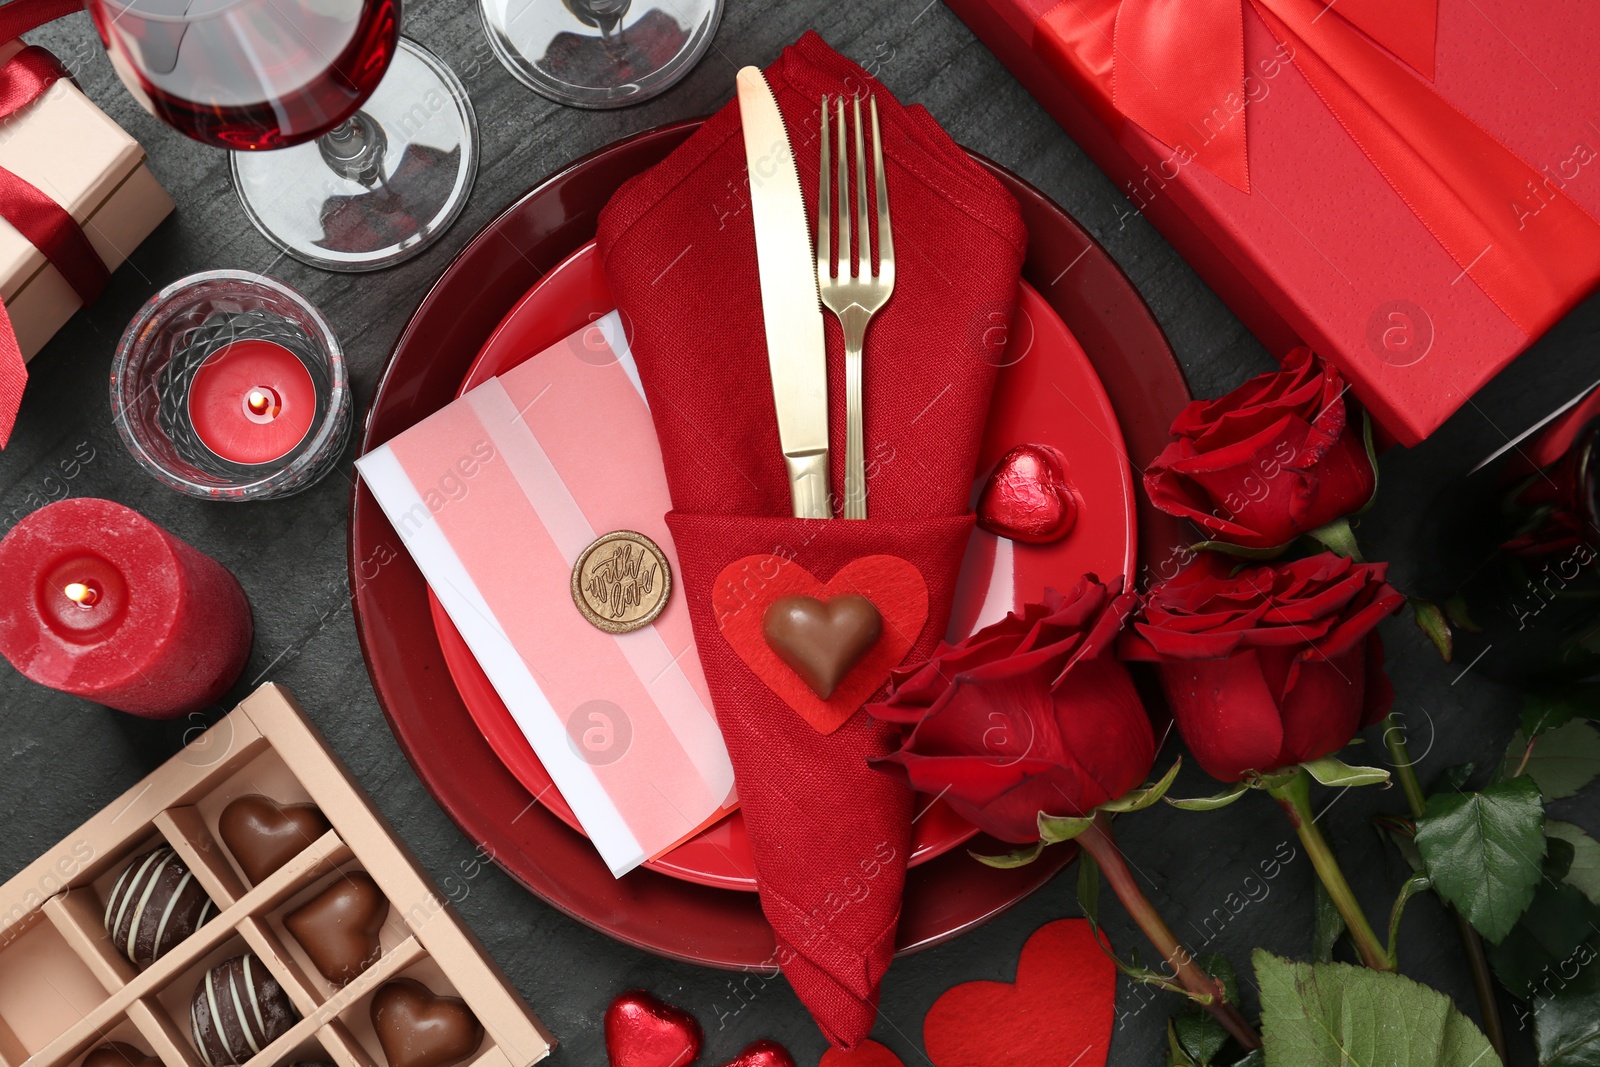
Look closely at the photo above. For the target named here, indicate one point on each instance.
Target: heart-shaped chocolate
(866, 1054)
(339, 927)
(1028, 498)
(263, 835)
(762, 1053)
(418, 1029)
(119, 1054)
(747, 587)
(641, 1031)
(822, 640)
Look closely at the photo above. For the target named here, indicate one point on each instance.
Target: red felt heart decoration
(866, 1054)
(762, 1054)
(641, 1031)
(1059, 1011)
(746, 587)
(1027, 498)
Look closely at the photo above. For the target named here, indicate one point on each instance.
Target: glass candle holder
(229, 385)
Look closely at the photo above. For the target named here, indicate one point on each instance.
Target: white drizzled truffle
(238, 1009)
(155, 904)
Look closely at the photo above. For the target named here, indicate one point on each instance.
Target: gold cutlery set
(797, 281)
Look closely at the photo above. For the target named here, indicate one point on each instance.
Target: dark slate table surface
(61, 759)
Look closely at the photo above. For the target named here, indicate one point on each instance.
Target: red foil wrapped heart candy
(641, 1031)
(762, 1053)
(1027, 498)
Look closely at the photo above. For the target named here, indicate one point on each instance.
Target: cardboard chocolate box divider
(66, 988)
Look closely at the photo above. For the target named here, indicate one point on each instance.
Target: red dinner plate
(654, 911)
(1046, 393)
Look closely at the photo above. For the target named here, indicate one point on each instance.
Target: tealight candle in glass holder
(230, 386)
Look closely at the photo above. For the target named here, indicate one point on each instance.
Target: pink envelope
(495, 497)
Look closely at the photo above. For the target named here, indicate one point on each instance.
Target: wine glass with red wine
(353, 147)
(599, 53)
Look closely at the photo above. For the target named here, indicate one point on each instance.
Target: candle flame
(82, 594)
(259, 402)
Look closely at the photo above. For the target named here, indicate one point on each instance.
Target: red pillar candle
(252, 402)
(99, 601)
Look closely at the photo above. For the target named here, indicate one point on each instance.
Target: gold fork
(854, 298)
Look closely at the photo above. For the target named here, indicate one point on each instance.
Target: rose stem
(1477, 960)
(1097, 841)
(1294, 797)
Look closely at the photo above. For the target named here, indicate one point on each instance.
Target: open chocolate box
(67, 986)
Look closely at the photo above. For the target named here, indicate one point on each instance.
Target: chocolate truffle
(339, 927)
(154, 904)
(238, 1010)
(418, 1029)
(263, 835)
(119, 1054)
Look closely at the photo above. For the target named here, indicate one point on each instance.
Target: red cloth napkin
(830, 834)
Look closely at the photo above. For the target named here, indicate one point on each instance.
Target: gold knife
(790, 306)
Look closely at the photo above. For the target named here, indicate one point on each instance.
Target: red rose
(1271, 666)
(1031, 714)
(1267, 462)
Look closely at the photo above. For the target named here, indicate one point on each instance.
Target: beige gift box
(72, 152)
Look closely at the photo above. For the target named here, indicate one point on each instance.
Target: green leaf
(1199, 1033)
(1558, 857)
(1483, 851)
(1330, 771)
(1177, 1055)
(1239, 551)
(1460, 615)
(1413, 885)
(1211, 803)
(1454, 778)
(1337, 1015)
(1254, 1059)
(1584, 870)
(1566, 1022)
(1020, 858)
(1327, 924)
(1543, 711)
(1054, 829)
(1564, 759)
(1432, 622)
(1550, 708)
(1529, 960)
(1144, 796)
(1338, 538)
(1372, 460)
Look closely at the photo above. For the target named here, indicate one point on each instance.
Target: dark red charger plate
(699, 924)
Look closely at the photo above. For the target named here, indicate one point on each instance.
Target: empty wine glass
(354, 148)
(599, 53)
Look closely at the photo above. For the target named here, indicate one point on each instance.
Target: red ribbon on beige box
(1176, 68)
(46, 225)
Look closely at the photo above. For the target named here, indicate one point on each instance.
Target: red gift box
(1409, 186)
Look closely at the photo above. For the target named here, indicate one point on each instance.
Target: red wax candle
(99, 601)
(252, 401)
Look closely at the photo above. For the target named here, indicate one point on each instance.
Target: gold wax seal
(621, 582)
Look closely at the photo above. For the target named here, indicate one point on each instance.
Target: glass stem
(1294, 797)
(1097, 842)
(355, 148)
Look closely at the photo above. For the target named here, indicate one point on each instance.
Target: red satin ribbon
(46, 225)
(1176, 68)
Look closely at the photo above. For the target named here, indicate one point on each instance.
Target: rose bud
(1273, 459)
(1270, 667)
(1031, 714)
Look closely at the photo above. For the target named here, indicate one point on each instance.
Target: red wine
(250, 74)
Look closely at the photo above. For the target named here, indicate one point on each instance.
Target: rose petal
(1226, 714)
